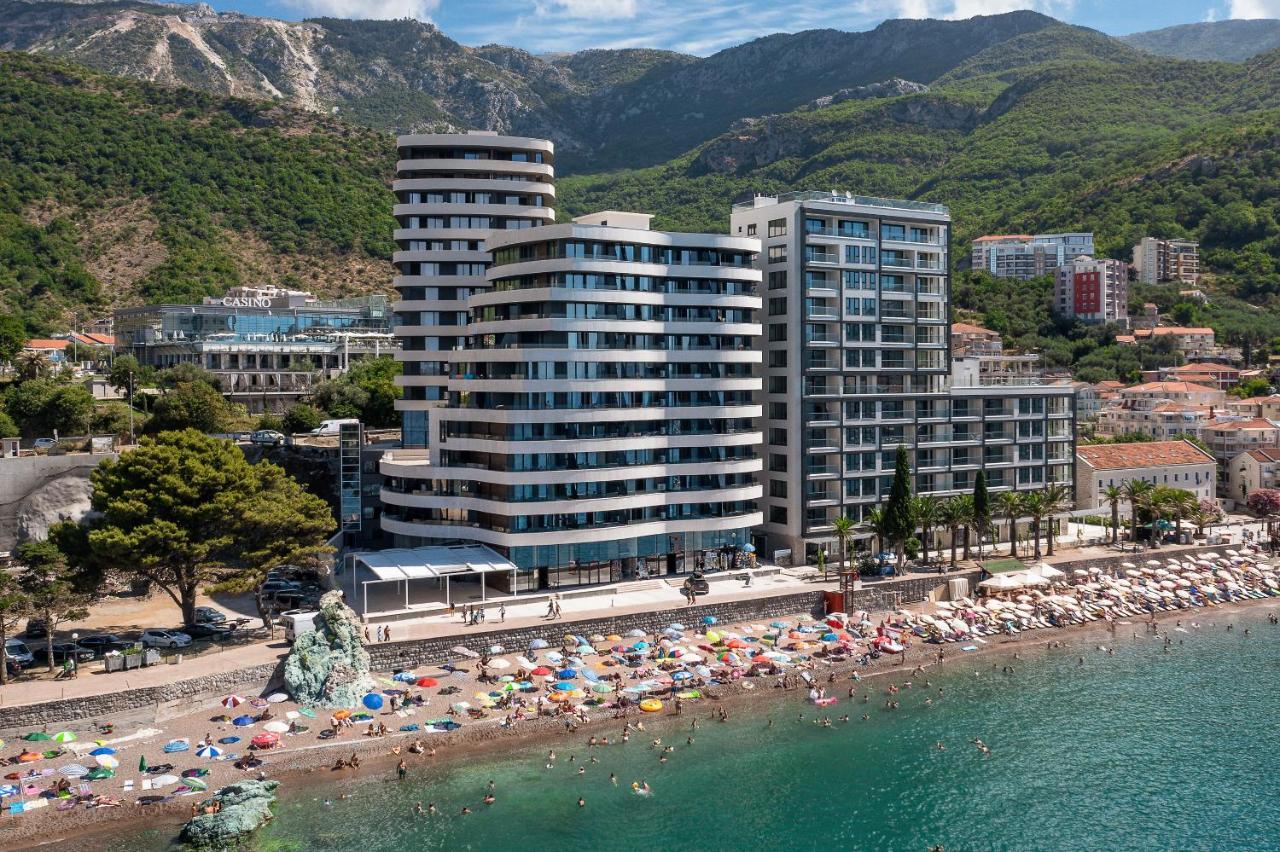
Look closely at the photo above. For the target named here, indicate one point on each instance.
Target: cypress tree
(899, 523)
(981, 507)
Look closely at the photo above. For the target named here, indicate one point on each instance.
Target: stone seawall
(152, 703)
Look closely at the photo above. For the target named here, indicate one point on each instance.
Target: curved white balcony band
(587, 536)
(602, 385)
(603, 445)
(453, 183)
(606, 356)
(422, 469)
(612, 297)
(601, 415)
(638, 500)
(609, 266)
(462, 208)
(597, 233)
(623, 326)
(477, 141)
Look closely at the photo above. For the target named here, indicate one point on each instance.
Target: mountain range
(257, 150)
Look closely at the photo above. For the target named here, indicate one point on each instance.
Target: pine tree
(981, 508)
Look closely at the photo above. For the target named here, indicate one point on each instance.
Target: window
(778, 437)
(777, 514)
(778, 280)
(777, 332)
(751, 229)
(778, 358)
(777, 254)
(778, 307)
(777, 463)
(777, 227)
(860, 254)
(778, 488)
(777, 411)
(777, 384)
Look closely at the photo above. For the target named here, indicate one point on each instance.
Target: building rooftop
(991, 238)
(1171, 387)
(1171, 329)
(1237, 425)
(46, 343)
(1146, 454)
(841, 198)
(1266, 454)
(1203, 367)
(968, 328)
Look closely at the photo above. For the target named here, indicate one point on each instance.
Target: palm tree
(1036, 506)
(1183, 505)
(31, 364)
(928, 512)
(1009, 505)
(1114, 495)
(951, 516)
(964, 506)
(1058, 499)
(844, 529)
(873, 522)
(1136, 491)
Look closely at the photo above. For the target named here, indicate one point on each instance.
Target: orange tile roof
(1255, 400)
(1173, 387)
(992, 237)
(1149, 454)
(1266, 454)
(1182, 406)
(1203, 367)
(1235, 425)
(1171, 329)
(968, 328)
(45, 343)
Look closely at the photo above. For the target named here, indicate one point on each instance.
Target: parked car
(158, 638)
(104, 642)
(209, 615)
(283, 600)
(36, 628)
(217, 631)
(17, 653)
(267, 437)
(272, 587)
(44, 443)
(63, 650)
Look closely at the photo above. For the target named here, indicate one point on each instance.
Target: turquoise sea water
(1145, 749)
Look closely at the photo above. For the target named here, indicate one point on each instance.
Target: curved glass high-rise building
(600, 417)
(452, 190)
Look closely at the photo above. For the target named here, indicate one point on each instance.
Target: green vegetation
(211, 173)
(184, 510)
(367, 391)
(52, 590)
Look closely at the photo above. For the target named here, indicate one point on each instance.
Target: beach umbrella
(209, 752)
(232, 701)
(276, 727)
(194, 784)
(175, 746)
(277, 697)
(373, 701)
(404, 677)
(681, 676)
(74, 770)
(427, 681)
(242, 721)
(229, 740)
(264, 740)
(537, 644)
(164, 780)
(635, 634)
(499, 664)
(541, 671)
(101, 750)
(708, 619)
(100, 773)
(107, 761)
(142, 763)
(676, 626)
(601, 688)
(37, 736)
(64, 737)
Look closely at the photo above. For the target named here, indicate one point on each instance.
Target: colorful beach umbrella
(107, 761)
(209, 751)
(37, 736)
(276, 727)
(101, 750)
(308, 712)
(100, 773)
(242, 721)
(427, 682)
(373, 701)
(64, 737)
(142, 763)
(194, 784)
(277, 698)
(232, 701)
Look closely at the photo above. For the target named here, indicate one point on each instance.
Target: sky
(702, 27)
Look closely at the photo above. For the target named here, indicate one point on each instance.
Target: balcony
(818, 471)
(811, 256)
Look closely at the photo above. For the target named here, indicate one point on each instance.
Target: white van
(330, 427)
(298, 621)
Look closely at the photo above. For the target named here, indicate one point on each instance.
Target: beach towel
(146, 783)
(128, 785)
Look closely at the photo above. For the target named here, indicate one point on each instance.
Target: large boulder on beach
(329, 666)
(243, 808)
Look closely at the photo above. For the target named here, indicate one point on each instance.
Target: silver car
(157, 638)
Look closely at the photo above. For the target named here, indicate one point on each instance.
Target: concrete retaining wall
(147, 704)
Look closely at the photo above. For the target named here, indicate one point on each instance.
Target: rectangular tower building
(857, 361)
